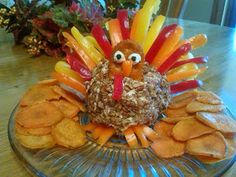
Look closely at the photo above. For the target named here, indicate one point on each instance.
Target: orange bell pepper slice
(115, 31)
(131, 138)
(75, 84)
(106, 135)
(97, 132)
(141, 136)
(150, 133)
(89, 127)
(79, 50)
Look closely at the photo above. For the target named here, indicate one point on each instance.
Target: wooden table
(18, 71)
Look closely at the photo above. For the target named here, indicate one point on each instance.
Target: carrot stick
(130, 137)
(185, 74)
(106, 135)
(141, 136)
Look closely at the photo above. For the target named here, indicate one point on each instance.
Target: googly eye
(119, 57)
(135, 57)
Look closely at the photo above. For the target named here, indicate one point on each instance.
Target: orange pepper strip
(198, 41)
(131, 138)
(168, 46)
(78, 49)
(75, 84)
(141, 136)
(89, 127)
(134, 25)
(115, 31)
(185, 74)
(150, 133)
(97, 132)
(106, 135)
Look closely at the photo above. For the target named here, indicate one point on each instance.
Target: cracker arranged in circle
(217, 121)
(196, 106)
(163, 129)
(36, 142)
(39, 93)
(174, 120)
(208, 97)
(69, 133)
(68, 109)
(182, 100)
(180, 112)
(32, 131)
(43, 114)
(190, 128)
(167, 147)
(48, 82)
(211, 145)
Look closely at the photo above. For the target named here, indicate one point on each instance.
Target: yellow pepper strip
(93, 41)
(88, 47)
(64, 68)
(115, 31)
(185, 74)
(153, 32)
(198, 41)
(143, 23)
(167, 47)
(134, 25)
(155, 4)
(79, 50)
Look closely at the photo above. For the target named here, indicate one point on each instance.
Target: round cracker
(38, 93)
(69, 134)
(182, 100)
(168, 147)
(36, 142)
(48, 82)
(196, 106)
(175, 120)
(163, 129)
(190, 128)
(32, 131)
(180, 112)
(212, 145)
(208, 97)
(39, 115)
(217, 121)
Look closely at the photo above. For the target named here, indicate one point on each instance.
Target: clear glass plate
(114, 159)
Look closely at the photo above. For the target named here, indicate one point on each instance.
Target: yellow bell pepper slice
(153, 32)
(93, 41)
(88, 47)
(64, 68)
(168, 47)
(79, 50)
(155, 4)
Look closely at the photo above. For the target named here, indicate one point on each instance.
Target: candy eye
(119, 57)
(135, 57)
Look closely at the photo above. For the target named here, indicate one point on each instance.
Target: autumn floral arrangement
(38, 24)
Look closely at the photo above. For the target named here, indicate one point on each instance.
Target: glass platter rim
(35, 172)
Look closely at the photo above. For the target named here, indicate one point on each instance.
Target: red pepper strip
(170, 61)
(76, 65)
(185, 85)
(197, 60)
(101, 38)
(123, 18)
(118, 87)
(159, 41)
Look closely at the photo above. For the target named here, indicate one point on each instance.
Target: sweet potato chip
(167, 147)
(36, 142)
(38, 93)
(230, 153)
(208, 98)
(43, 114)
(32, 131)
(217, 121)
(190, 128)
(196, 106)
(69, 134)
(163, 129)
(182, 100)
(212, 145)
(174, 120)
(68, 109)
(69, 97)
(180, 112)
